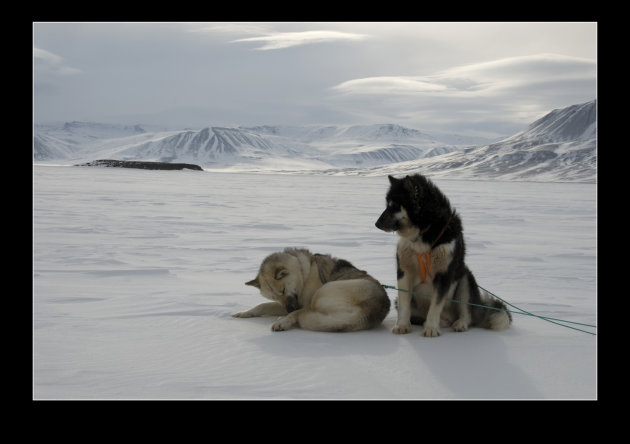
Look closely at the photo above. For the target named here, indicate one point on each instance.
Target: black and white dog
(430, 261)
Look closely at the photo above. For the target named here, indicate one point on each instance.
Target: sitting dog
(430, 261)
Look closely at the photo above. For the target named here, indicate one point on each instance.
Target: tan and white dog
(317, 292)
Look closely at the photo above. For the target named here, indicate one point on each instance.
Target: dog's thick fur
(422, 217)
(317, 292)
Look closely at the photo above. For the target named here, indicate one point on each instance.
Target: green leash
(521, 311)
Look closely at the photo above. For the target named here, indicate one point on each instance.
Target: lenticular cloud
(480, 78)
(281, 40)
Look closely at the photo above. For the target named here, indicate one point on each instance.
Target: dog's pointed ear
(412, 188)
(392, 180)
(254, 283)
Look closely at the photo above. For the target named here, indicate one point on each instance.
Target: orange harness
(424, 261)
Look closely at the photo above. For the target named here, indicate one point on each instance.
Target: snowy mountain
(80, 140)
(305, 147)
(369, 145)
(574, 123)
(315, 133)
(560, 146)
(211, 146)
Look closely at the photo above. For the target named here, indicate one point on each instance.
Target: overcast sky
(489, 79)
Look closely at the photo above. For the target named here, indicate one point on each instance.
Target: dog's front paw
(431, 332)
(242, 314)
(277, 326)
(401, 329)
(282, 324)
(460, 325)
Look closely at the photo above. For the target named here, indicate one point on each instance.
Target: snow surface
(137, 274)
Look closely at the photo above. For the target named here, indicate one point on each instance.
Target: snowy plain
(136, 275)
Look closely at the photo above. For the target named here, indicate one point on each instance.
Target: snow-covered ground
(137, 273)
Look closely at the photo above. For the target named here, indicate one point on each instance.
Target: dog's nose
(291, 303)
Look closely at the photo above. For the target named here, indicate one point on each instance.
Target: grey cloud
(50, 63)
(515, 90)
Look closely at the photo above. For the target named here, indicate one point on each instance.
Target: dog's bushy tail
(488, 311)
(496, 317)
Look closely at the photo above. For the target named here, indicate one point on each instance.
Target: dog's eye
(281, 273)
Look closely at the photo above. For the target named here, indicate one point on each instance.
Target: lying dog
(317, 292)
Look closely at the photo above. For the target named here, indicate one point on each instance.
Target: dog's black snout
(379, 222)
(385, 222)
(291, 303)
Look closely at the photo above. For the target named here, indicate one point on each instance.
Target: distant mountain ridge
(334, 146)
(560, 146)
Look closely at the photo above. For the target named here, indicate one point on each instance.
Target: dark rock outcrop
(141, 164)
